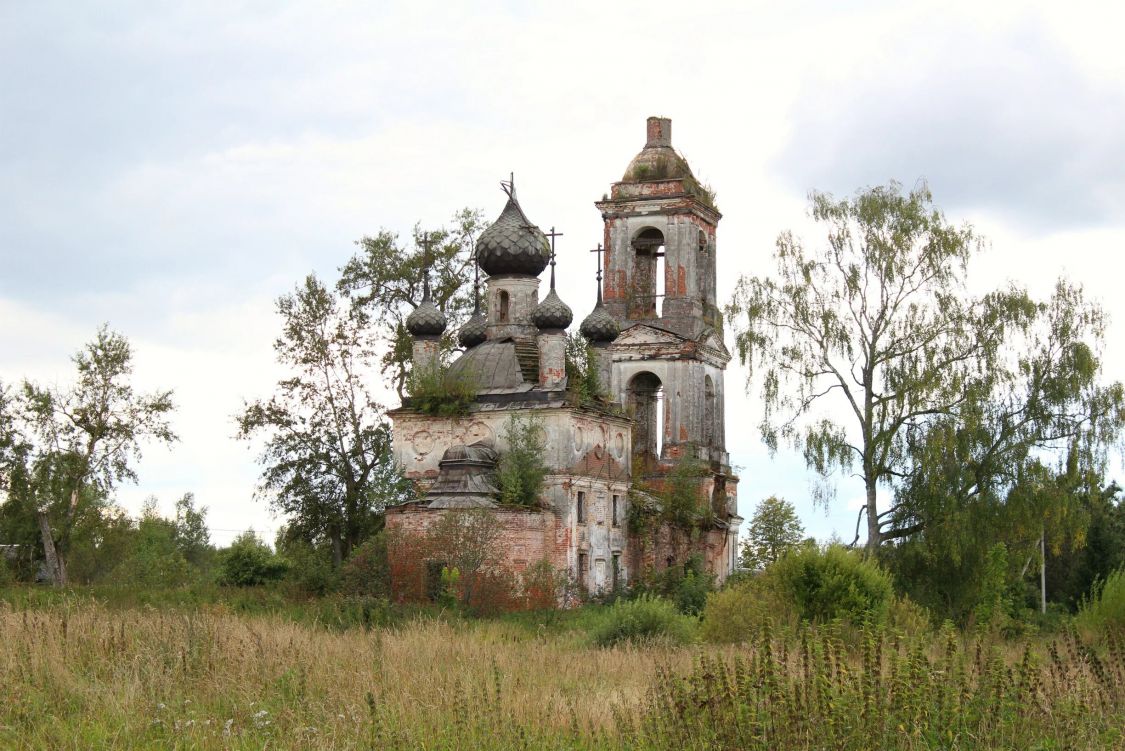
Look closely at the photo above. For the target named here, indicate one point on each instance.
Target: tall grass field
(81, 673)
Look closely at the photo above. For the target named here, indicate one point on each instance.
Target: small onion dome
(599, 326)
(552, 313)
(426, 319)
(474, 331)
(511, 246)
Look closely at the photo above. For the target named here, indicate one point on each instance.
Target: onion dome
(512, 244)
(426, 319)
(599, 326)
(552, 313)
(474, 331)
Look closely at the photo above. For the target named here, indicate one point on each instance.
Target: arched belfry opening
(646, 406)
(648, 291)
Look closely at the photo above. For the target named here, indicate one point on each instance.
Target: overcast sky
(171, 172)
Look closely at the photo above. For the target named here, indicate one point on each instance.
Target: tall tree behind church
(326, 459)
(384, 280)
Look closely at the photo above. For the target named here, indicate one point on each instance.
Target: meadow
(85, 669)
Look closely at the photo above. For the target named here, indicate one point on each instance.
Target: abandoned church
(656, 345)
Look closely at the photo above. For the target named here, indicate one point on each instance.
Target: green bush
(6, 576)
(646, 620)
(249, 562)
(367, 572)
(1104, 611)
(744, 608)
(834, 583)
(437, 391)
(522, 469)
(309, 568)
(687, 585)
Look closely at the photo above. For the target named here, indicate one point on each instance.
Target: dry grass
(77, 675)
(81, 675)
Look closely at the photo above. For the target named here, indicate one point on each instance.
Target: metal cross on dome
(599, 250)
(427, 242)
(552, 234)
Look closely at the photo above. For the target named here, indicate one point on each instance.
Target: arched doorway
(646, 405)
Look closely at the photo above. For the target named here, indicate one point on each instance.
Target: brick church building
(656, 340)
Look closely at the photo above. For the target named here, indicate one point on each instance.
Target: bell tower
(669, 360)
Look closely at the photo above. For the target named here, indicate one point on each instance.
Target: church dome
(552, 313)
(474, 331)
(657, 160)
(600, 326)
(426, 319)
(511, 245)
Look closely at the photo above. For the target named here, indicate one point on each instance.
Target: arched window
(648, 286)
(646, 405)
(504, 304)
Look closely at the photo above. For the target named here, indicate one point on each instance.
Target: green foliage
(582, 371)
(522, 469)
(154, 560)
(646, 620)
(812, 692)
(384, 279)
(249, 562)
(994, 601)
(685, 585)
(436, 390)
(1103, 612)
(327, 462)
(309, 568)
(833, 583)
(743, 609)
(951, 399)
(62, 451)
(680, 501)
(367, 572)
(191, 534)
(775, 529)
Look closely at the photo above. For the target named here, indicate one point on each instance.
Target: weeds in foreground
(79, 674)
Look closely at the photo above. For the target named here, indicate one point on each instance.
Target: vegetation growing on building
(437, 391)
(522, 467)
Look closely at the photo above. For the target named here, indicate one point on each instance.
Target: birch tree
(78, 443)
(872, 355)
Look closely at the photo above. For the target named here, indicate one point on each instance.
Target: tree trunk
(56, 567)
(337, 551)
(874, 537)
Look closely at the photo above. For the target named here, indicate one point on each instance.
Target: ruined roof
(657, 160)
(492, 365)
(465, 478)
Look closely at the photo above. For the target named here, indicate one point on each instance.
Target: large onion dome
(552, 313)
(599, 326)
(426, 319)
(512, 245)
(474, 331)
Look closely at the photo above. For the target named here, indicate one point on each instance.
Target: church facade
(656, 343)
